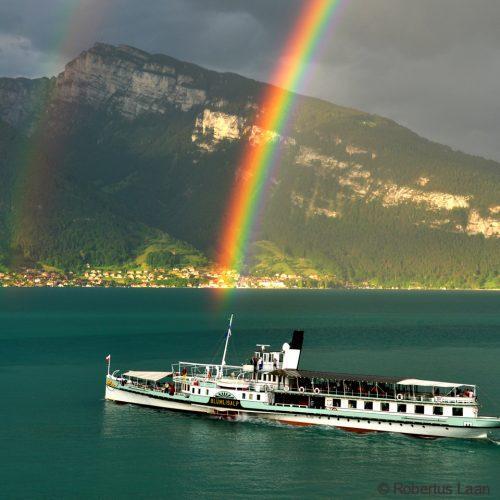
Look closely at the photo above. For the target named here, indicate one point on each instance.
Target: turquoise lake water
(60, 439)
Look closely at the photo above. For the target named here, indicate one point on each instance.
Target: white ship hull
(121, 396)
(362, 426)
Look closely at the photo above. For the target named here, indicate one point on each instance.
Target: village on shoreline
(185, 277)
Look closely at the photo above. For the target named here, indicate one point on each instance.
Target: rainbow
(275, 105)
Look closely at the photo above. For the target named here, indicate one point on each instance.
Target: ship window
(199, 391)
(258, 397)
(401, 408)
(250, 396)
(206, 392)
(438, 410)
(243, 396)
(384, 406)
(368, 405)
(351, 403)
(336, 403)
(192, 390)
(458, 412)
(419, 409)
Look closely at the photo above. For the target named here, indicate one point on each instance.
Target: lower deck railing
(385, 396)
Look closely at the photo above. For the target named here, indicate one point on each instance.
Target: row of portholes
(379, 423)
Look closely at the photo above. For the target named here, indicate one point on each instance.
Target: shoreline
(227, 289)
(221, 280)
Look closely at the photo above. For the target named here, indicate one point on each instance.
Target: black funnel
(297, 340)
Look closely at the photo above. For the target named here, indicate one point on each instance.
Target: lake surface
(60, 439)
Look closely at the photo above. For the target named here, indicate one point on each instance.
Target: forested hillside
(128, 157)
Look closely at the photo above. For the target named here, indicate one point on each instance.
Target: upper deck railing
(184, 371)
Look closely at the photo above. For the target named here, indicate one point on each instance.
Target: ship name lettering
(224, 402)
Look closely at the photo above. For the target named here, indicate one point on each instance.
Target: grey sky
(431, 65)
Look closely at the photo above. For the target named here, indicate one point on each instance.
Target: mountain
(126, 150)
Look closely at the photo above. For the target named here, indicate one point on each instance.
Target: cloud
(432, 66)
(18, 57)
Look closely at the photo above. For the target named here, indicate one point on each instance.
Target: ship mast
(223, 362)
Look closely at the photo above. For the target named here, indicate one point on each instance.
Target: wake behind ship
(271, 386)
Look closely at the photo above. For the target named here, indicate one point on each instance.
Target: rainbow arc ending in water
(275, 106)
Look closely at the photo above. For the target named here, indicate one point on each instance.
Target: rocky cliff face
(131, 83)
(22, 100)
(487, 226)
(149, 137)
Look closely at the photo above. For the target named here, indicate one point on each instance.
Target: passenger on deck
(255, 360)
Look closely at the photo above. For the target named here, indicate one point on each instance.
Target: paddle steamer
(272, 386)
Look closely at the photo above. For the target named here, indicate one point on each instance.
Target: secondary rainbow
(73, 18)
(275, 105)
